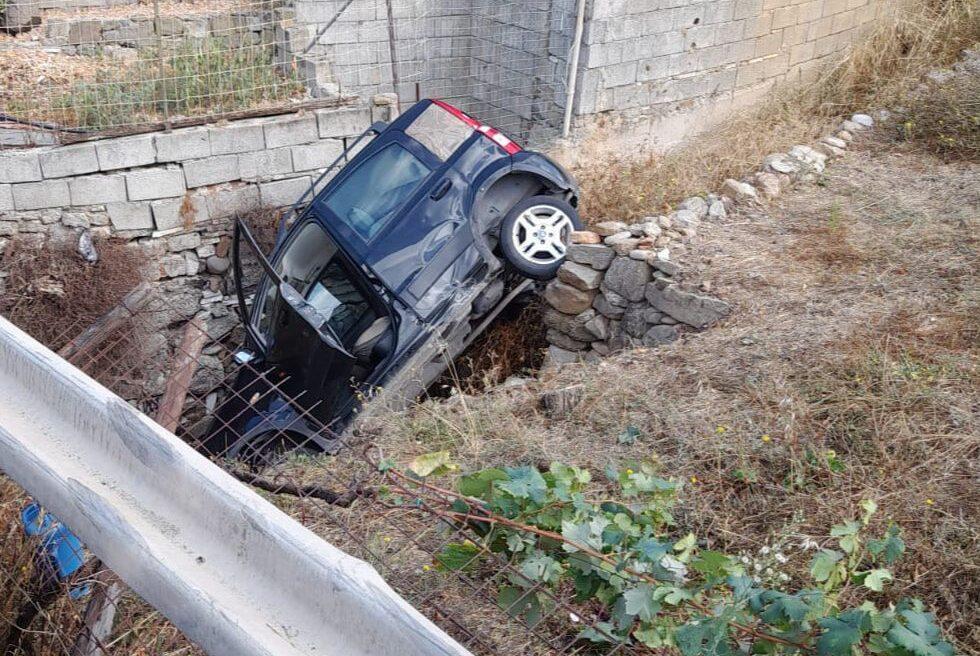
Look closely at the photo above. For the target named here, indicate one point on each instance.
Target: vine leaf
(641, 603)
(838, 638)
(525, 483)
(703, 638)
(876, 579)
(890, 548)
(920, 635)
(432, 464)
(480, 484)
(824, 564)
(520, 603)
(457, 556)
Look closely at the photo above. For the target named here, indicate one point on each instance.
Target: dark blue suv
(393, 268)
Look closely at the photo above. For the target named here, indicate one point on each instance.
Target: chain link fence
(100, 67)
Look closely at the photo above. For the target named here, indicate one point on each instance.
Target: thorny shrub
(642, 581)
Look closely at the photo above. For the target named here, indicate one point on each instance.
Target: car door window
(370, 195)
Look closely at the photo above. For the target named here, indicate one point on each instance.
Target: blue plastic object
(63, 550)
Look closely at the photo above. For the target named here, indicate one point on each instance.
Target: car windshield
(311, 265)
(370, 195)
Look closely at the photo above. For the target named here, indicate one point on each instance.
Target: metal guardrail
(230, 570)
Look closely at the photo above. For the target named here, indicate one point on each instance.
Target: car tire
(536, 233)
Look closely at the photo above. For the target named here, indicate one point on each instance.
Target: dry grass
(878, 72)
(53, 294)
(854, 334)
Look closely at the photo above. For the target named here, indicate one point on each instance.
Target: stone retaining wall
(172, 193)
(624, 285)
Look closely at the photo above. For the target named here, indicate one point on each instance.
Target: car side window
(336, 296)
(370, 195)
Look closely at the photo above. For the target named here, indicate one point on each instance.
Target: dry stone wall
(622, 285)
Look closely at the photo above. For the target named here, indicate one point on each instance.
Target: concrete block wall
(644, 58)
(150, 189)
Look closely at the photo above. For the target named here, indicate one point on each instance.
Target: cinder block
(226, 202)
(265, 164)
(39, 195)
(6, 198)
(283, 193)
(237, 138)
(149, 184)
(347, 122)
(97, 189)
(125, 153)
(180, 145)
(290, 131)
(316, 156)
(130, 216)
(211, 170)
(68, 160)
(19, 166)
(166, 213)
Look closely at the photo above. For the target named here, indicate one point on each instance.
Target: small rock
(863, 120)
(597, 256)
(851, 126)
(217, 265)
(717, 210)
(781, 163)
(659, 335)
(86, 247)
(615, 299)
(666, 266)
(663, 254)
(573, 326)
(627, 278)
(566, 342)
(828, 150)
(835, 142)
(697, 205)
(560, 403)
(585, 237)
(705, 286)
(639, 254)
(617, 237)
(635, 321)
(739, 190)
(653, 316)
(579, 276)
(685, 218)
(652, 229)
(568, 299)
(769, 184)
(845, 136)
(687, 307)
(610, 228)
(598, 326)
(557, 357)
(607, 309)
(665, 223)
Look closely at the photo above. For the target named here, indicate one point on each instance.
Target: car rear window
(370, 195)
(439, 131)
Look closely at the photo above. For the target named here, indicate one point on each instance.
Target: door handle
(441, 190)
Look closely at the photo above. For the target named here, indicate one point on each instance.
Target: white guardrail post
(231, 571)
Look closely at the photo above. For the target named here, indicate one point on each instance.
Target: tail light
(493, 134)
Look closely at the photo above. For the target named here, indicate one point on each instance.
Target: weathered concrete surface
(230, 570)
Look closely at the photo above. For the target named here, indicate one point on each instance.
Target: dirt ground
(848, 370)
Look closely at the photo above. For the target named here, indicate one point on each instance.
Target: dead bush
(945, 118)
(54, 294)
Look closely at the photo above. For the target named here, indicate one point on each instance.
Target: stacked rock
(618, 287)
